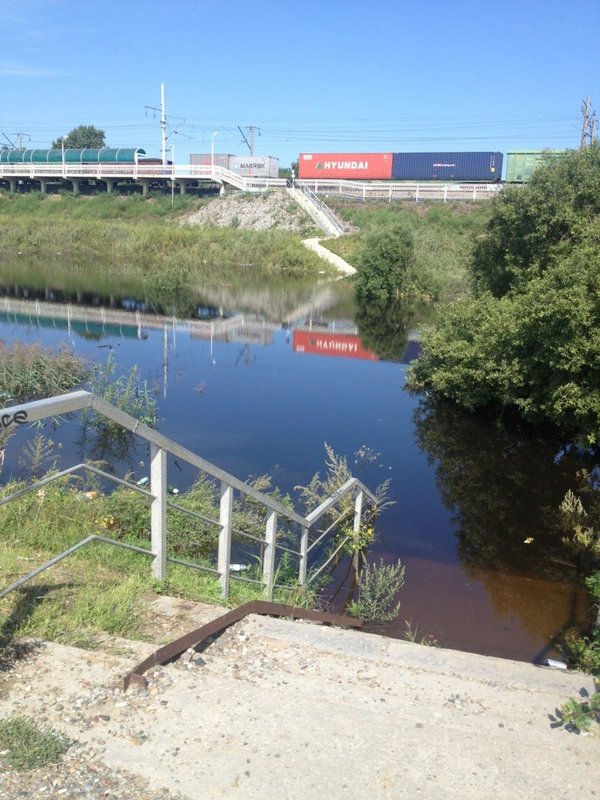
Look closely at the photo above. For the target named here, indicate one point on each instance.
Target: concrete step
(276, 709)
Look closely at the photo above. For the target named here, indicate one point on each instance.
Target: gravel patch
(274, 209)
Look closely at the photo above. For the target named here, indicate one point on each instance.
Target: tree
(534, 227)
(385, 264)
(529, 341)
(82, 136)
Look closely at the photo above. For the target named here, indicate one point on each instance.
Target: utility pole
(163, 122)
(250, 144)
(20, 136)
(585, 110)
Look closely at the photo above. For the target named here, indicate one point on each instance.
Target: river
(281, 372)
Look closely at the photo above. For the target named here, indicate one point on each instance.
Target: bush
(378, 585)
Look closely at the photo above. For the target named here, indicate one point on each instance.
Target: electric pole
(250, 144)
(20, 136)
(163, 122)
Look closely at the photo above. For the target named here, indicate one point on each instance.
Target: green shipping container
(521, 164)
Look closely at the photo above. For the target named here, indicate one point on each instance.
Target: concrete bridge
(183, 176)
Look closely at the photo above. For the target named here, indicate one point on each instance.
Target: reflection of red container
(343, 345)
(353, 166)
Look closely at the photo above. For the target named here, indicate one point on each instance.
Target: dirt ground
(277, 710)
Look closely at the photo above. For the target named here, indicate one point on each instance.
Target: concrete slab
(279, 710)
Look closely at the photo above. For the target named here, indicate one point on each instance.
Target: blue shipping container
(447, 167)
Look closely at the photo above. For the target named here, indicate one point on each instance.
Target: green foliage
(443, 235)
(31, 372)
(127, 393)
(82, 136)
(534, 351)
(378, 586)
(536, 227)
(385, 263)
(529, 341)
(581, 714)
(138, 241)
(358, 541)
(25, 745)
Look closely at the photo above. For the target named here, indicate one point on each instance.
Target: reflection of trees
(504, 486)
(383, 327)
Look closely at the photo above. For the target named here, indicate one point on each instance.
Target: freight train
(440, 166)
(437, 166)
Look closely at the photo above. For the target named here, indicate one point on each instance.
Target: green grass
(141, 241)
(29, 372)
(25, 745)
(444, 235)
(102, 589)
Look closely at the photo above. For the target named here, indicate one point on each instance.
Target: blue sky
(310, 75)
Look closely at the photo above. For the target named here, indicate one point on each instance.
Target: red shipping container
(349, 166)
(343, 345)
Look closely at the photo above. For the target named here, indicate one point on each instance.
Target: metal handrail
(160, 445)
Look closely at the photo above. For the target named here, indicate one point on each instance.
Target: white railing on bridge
(182, 173)
(357, 496)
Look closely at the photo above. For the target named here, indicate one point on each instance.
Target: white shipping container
(206, 159)
(255, 166)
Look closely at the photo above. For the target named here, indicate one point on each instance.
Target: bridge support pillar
(145, 188)
(110, 184)
(182, 186)
(222, 189)
(43, 185)
(75, 184)
(12, 183)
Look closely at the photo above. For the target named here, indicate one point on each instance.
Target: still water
(282, 371)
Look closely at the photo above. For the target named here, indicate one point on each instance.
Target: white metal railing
(160, 446)
(362, 190)
(335, 225)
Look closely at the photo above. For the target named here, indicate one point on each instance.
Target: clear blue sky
(311, 75)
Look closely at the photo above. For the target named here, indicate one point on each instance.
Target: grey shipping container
(255, 166)
(447, 167)
(206, 159)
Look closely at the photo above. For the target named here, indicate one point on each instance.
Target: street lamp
(212, 152)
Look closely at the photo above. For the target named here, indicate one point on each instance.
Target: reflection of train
(440, 166)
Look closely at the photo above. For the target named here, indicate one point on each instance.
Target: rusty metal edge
(197, 636)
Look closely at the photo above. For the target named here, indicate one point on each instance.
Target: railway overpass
(183, 176)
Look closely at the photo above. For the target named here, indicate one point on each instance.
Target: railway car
(521, 164)
(447, 166)
(248, 166)
(345, 166)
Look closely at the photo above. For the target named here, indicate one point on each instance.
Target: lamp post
(212, 152)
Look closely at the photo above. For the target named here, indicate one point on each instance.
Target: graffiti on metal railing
(18, 418)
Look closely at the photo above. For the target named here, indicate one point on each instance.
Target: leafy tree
(529, 342)
(385, 263)
(82, 136)
(535, 227)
